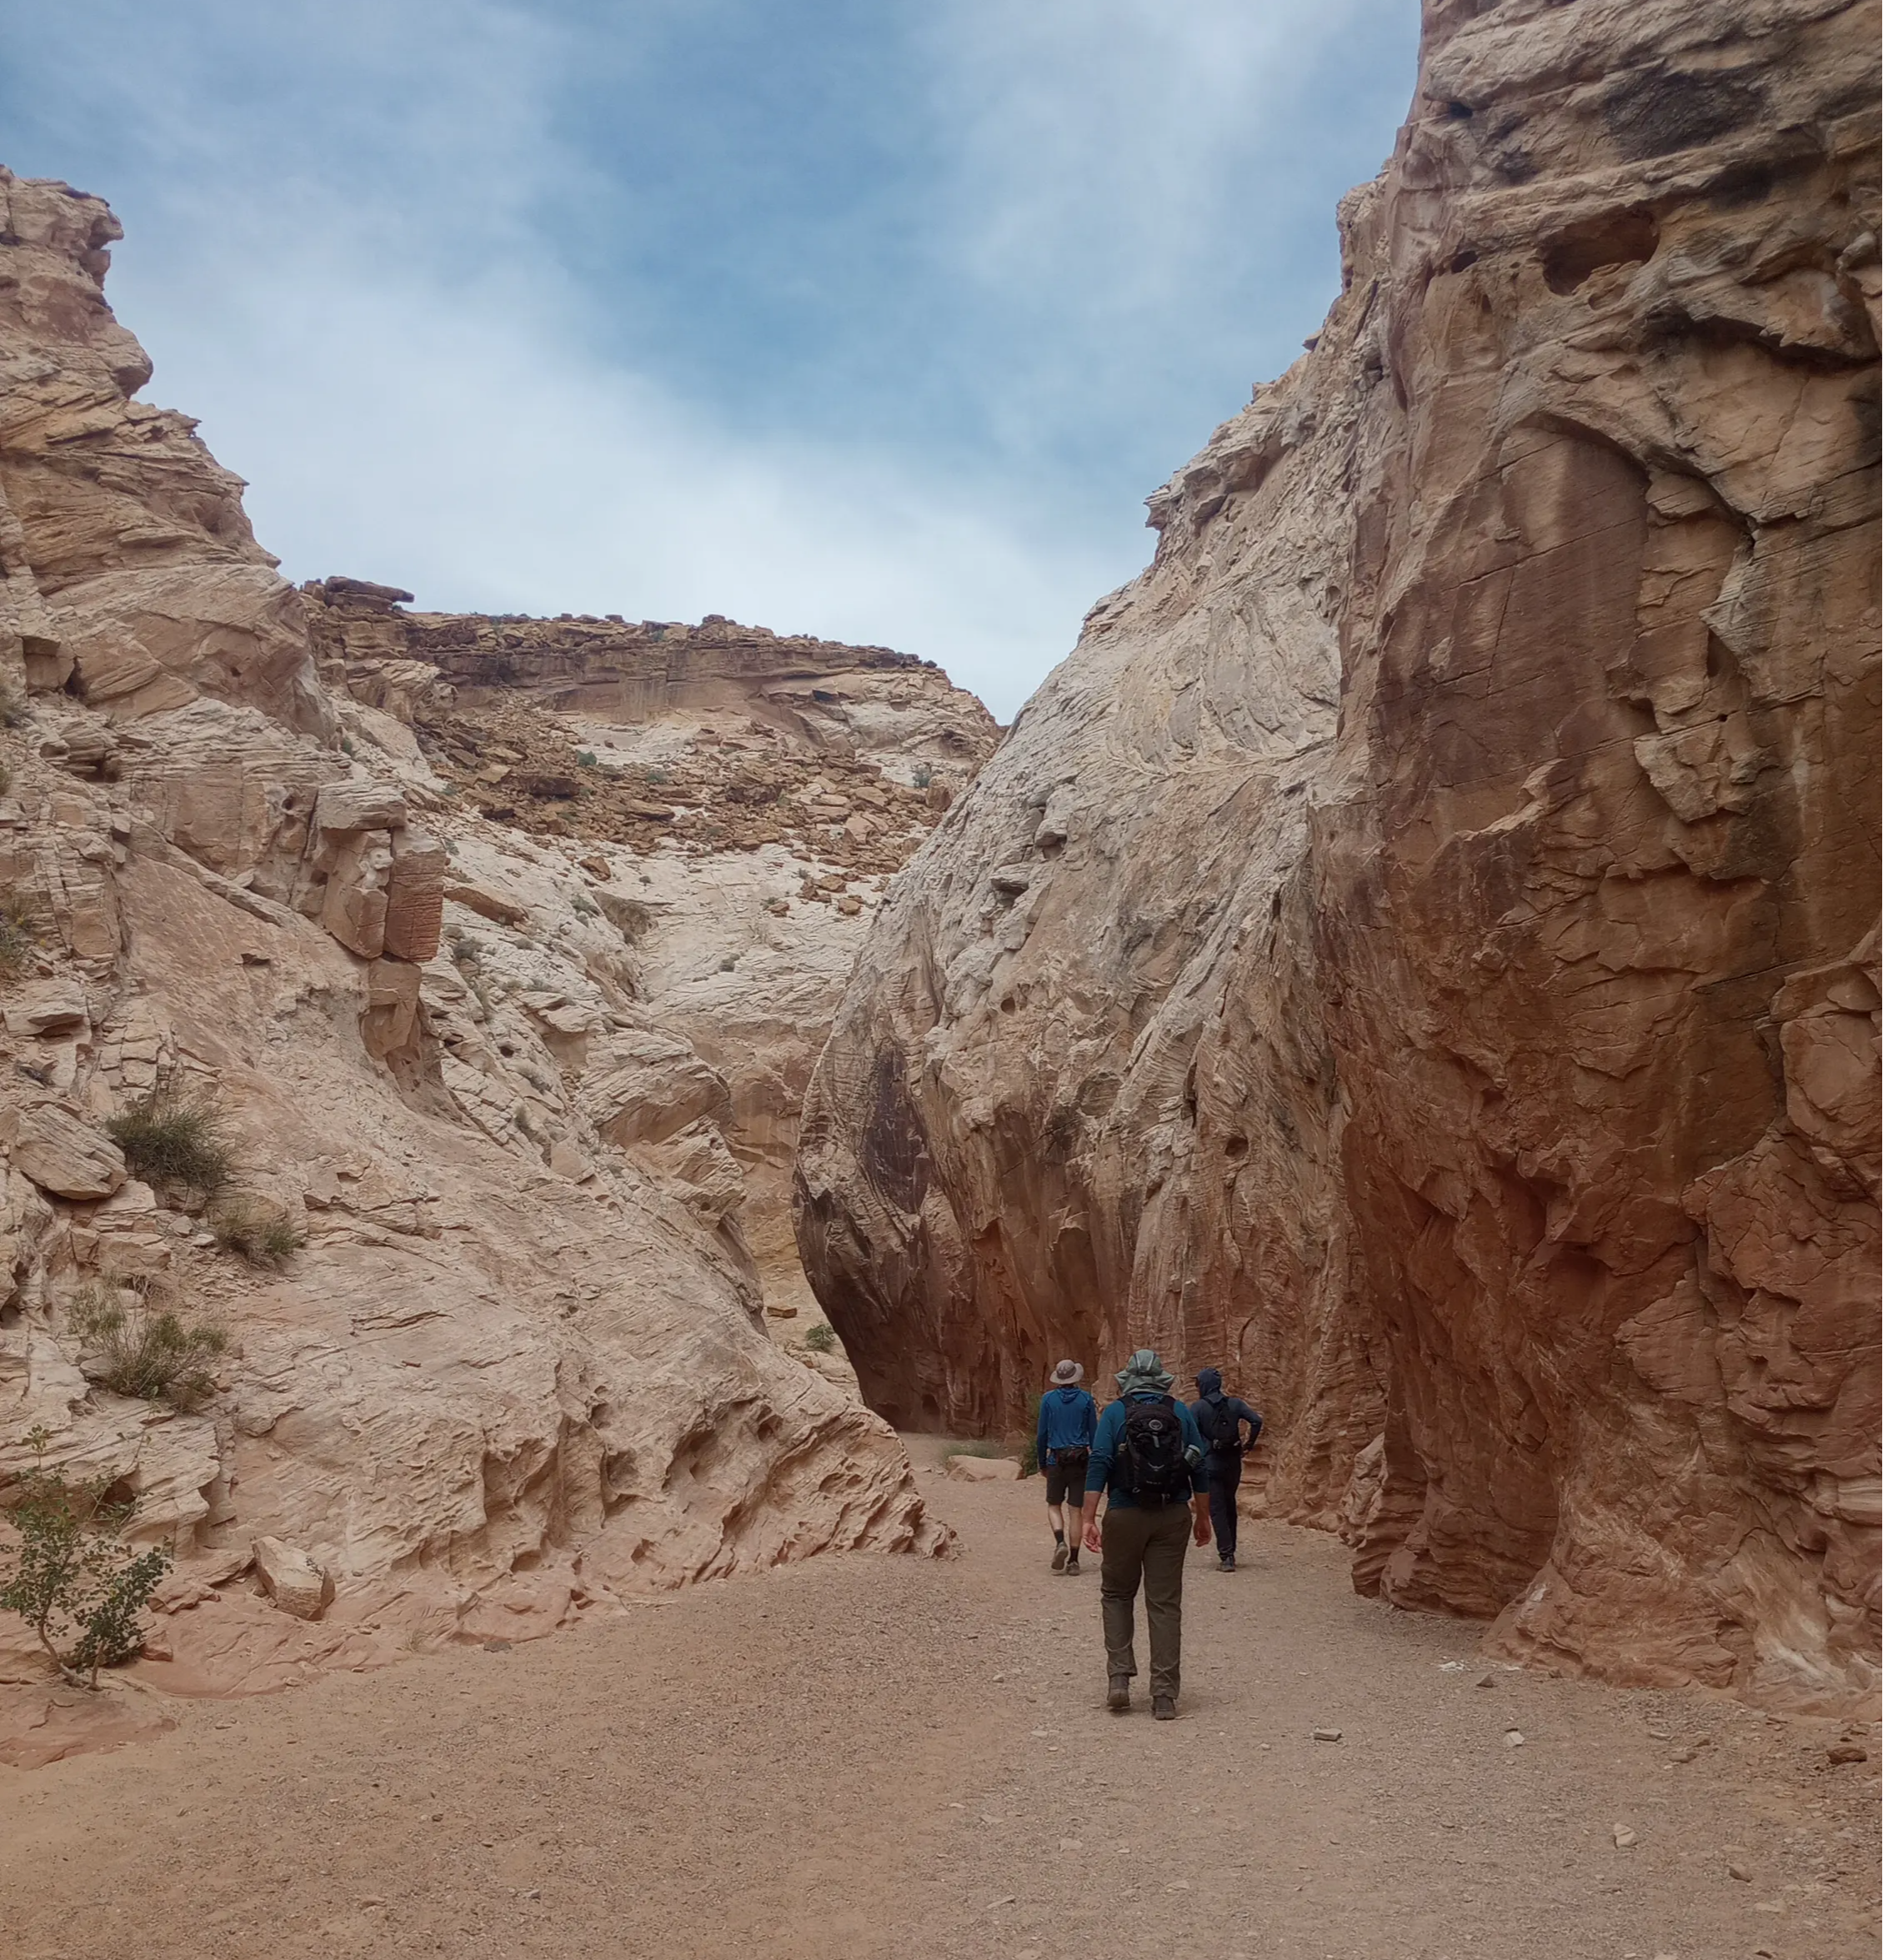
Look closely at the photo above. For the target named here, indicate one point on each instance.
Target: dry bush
(256, 1230)
(175, 1142)
(148, 1350)
(17, 937)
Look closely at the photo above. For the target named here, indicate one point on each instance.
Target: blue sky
(867, 317)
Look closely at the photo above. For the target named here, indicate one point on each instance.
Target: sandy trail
(867, 1756)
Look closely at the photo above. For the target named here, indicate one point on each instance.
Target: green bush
(585, 758)
(923, 774)
(822, 1339)
(175, 1143)
(149, 1351)
(256, 1231)
(72, 1577)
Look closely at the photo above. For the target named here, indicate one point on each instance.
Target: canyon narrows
(501, 950)
(1420, 950)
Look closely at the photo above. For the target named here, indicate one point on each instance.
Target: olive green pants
(1145, 1543)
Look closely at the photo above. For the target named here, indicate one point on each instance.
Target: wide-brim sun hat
(1145, 1370)
(1067, 1373)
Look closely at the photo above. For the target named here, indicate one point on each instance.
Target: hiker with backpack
(1220, 1418)
(1068, 1420)
(1147, 1458)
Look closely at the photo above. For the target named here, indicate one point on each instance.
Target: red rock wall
(1493, 1072)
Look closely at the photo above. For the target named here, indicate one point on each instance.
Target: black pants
(1225, 1473)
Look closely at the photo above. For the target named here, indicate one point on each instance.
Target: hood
(1210, 1383)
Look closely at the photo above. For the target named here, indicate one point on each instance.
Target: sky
(876, 320)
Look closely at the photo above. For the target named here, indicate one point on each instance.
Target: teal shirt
(1101, 1470)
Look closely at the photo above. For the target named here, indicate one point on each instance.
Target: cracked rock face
(1419, 952)
(517, 1372)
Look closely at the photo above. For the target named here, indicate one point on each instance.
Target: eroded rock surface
(1419, 951)
(518, 1369)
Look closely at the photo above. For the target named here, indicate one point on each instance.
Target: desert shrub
(16, 936)
(347, 745)
(583, 906)
(974, 1449)
(12, 705)
(72, 1577)
(585, 758)
(822, 1339)
(150, 1351)
(923, 774)
(175, 1142)
(655, 773)
(255, 1230)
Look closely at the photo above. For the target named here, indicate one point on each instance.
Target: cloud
(872, 320)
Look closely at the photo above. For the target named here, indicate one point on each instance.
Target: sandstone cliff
(1419, 951)
(518, 1370)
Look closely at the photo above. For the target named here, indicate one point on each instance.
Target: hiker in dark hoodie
(1068, 1420)
(1220, 1418)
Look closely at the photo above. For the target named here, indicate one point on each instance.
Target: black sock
(1058, 1536)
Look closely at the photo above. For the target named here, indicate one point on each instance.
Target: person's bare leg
(1056, 1516)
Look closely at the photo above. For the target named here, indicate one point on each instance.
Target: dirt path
(873, 1756)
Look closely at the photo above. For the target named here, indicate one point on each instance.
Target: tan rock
(65, 1155)
(984, 1469)
(415, 896)
(292, 1579)
(358, 892)
(358, 805)
(50, 1008)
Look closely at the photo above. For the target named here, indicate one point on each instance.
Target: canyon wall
(518, 1369)
(1419, 952)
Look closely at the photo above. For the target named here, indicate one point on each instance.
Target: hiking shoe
(1119, 1699)
(1227, 1562)
(1060, 1556)
(1164, 1707)
(1072, 1567)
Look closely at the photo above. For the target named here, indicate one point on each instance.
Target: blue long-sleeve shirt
(1100, 1471)
(1068, 1420)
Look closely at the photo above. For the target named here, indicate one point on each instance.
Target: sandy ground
(875, 1756)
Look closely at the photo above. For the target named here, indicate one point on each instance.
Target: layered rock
(729, 802)
(518, 1369)
(1420, 950)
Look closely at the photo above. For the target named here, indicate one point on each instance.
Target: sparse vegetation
(175, 1143)
(974, 1450)
(347, 745)
(72, 1577)
(583, 906)
(16, 936)
(12, 705)
(923, 774)
(822, 1339)
(149, 1350)
(655, 773)
(256, 1231)
(1030, 1453)
(585, 758)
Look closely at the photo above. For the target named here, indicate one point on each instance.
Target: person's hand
(1093, 1542)
(1201, 1525)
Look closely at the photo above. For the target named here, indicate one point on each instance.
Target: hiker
(1068, 1420)
(1220, 1418)
(1148, 1455)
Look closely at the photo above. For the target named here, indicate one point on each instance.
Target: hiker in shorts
(1147, 1458)
(1220, 1418)
(1068, 1420)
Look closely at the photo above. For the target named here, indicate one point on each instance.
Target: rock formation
(519, 1368)
(1419, 951)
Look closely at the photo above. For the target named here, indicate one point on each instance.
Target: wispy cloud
(875, 321)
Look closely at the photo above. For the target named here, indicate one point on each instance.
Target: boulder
(358, 805)
(984, 1469)
(291, 1578)
(65, 1155)
(51, 1007)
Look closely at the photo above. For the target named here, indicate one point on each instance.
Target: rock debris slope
(519, 1368)
(1420, 948)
